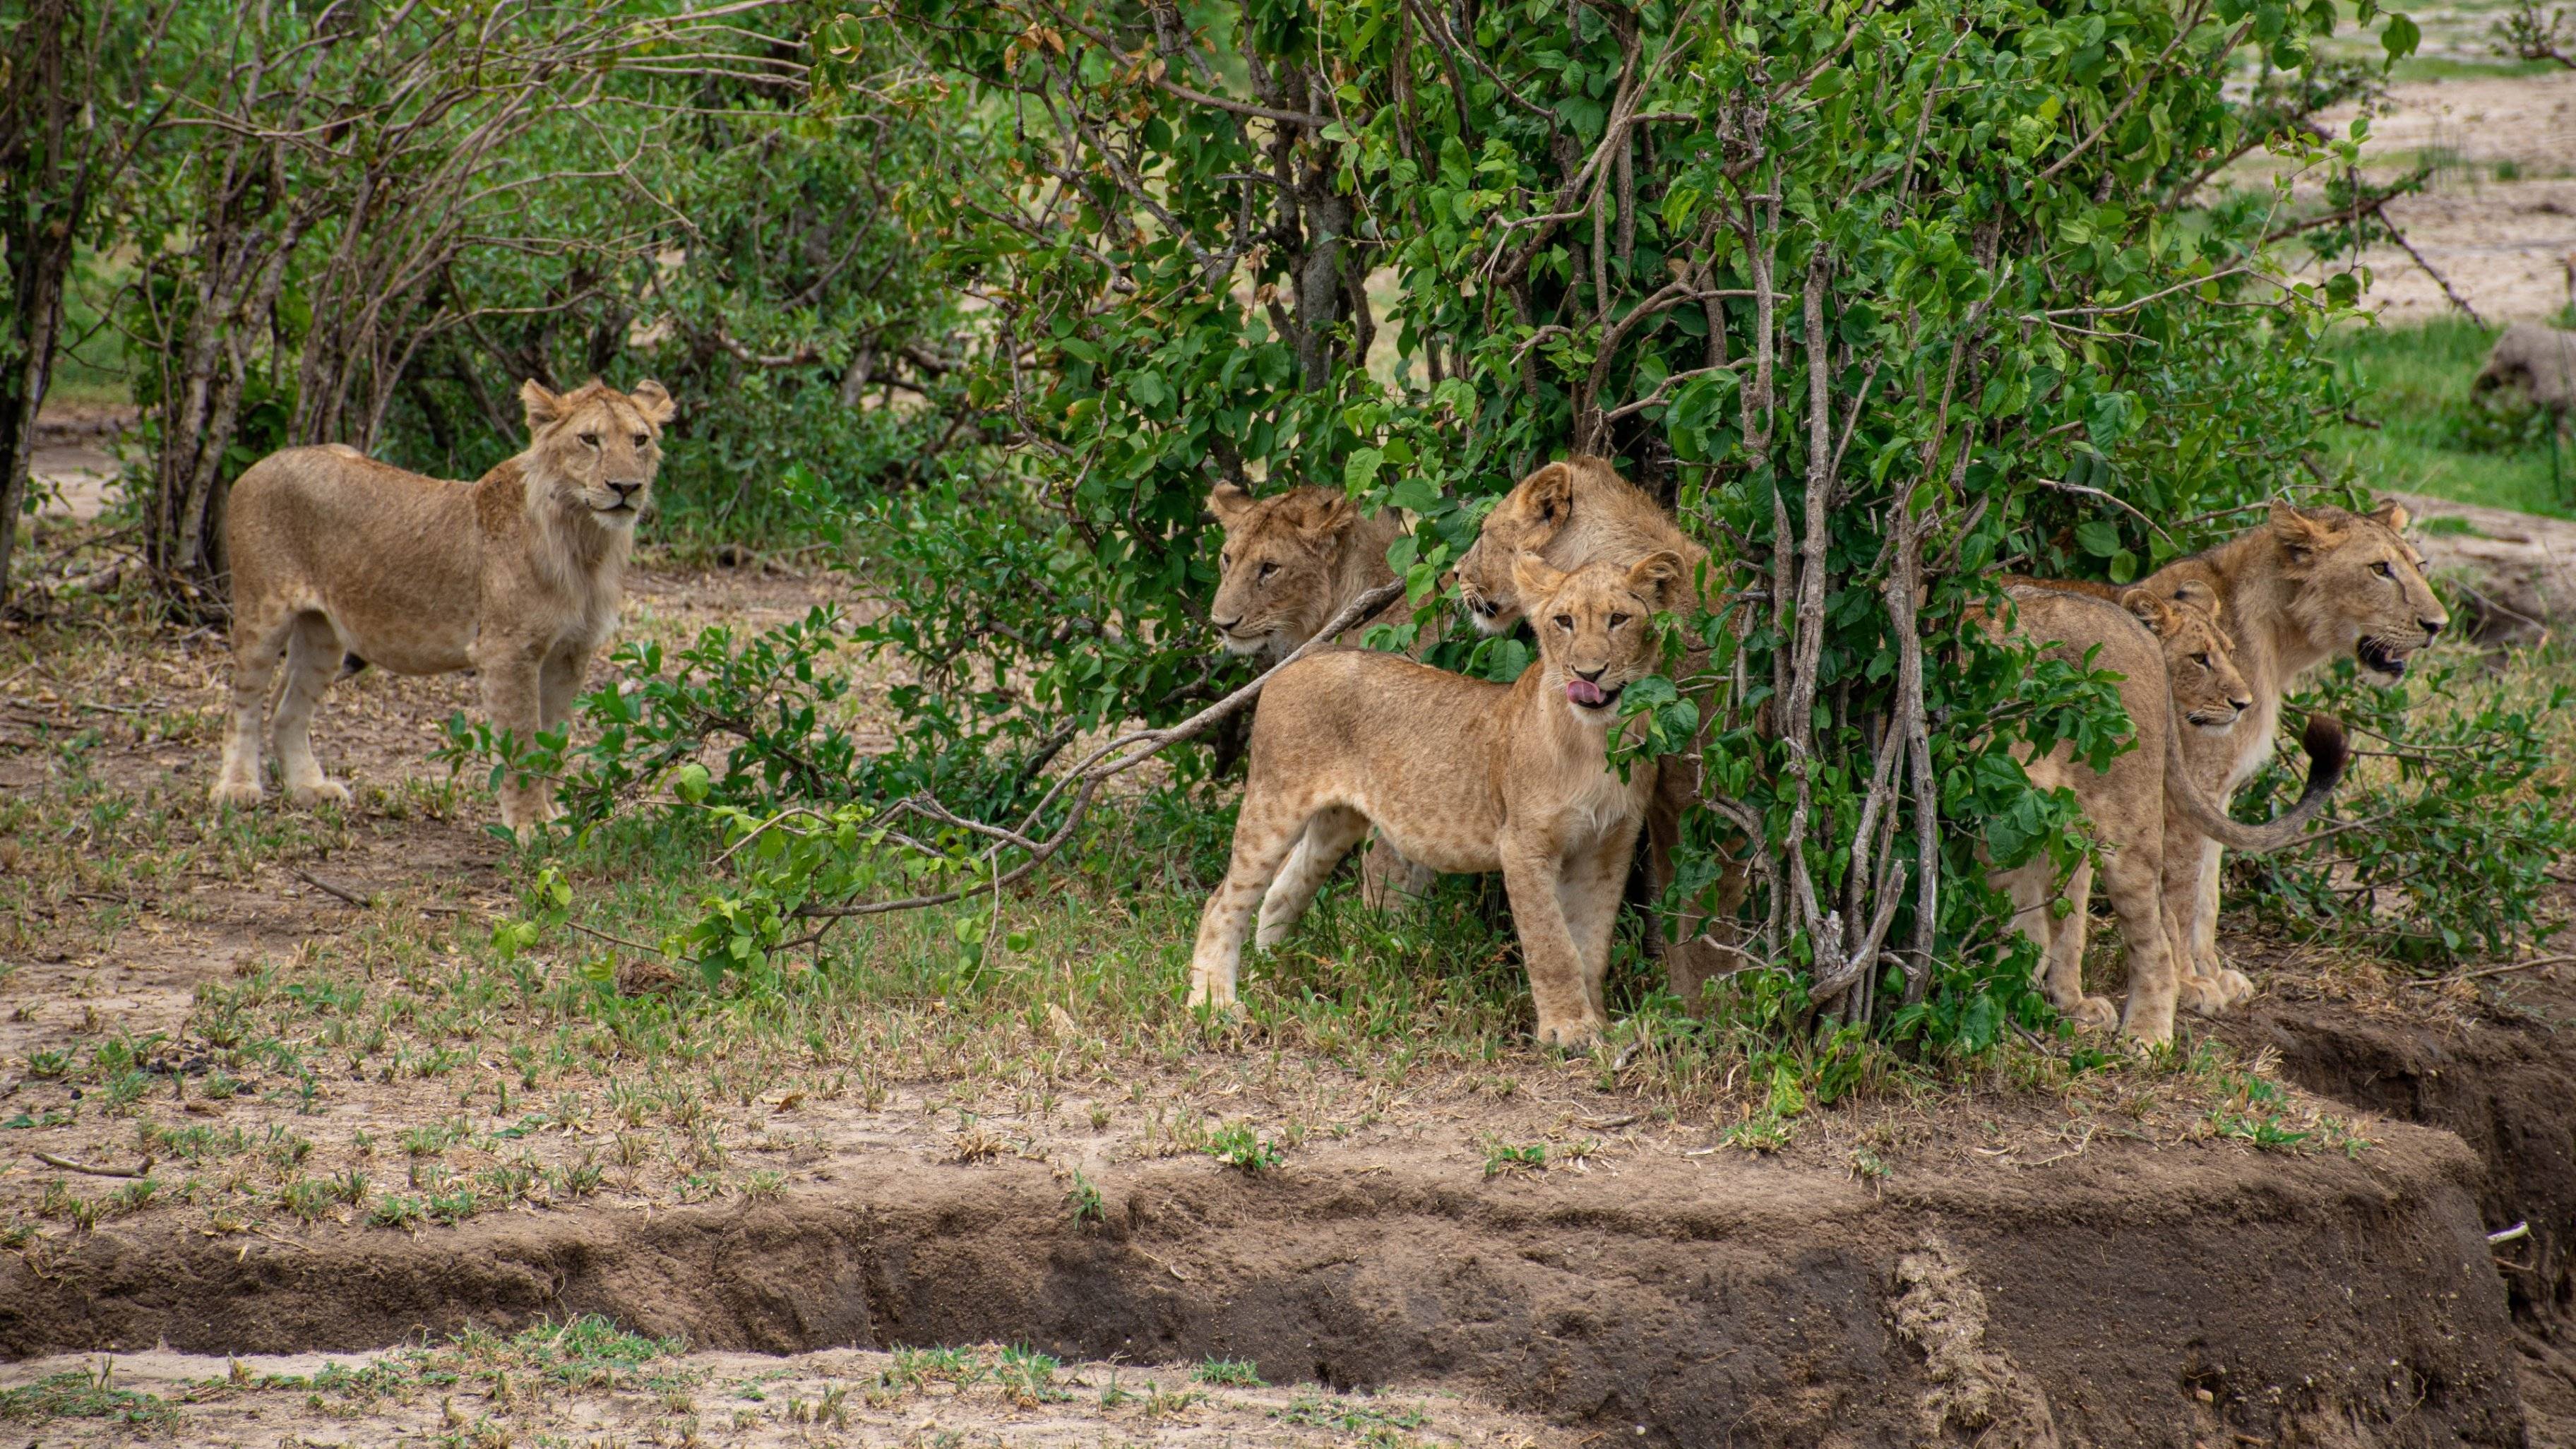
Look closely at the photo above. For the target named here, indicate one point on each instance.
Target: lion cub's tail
(2327, 755)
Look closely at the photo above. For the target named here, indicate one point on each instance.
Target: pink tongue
(1584, 691)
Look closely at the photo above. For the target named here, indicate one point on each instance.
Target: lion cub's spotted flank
(1461, 775)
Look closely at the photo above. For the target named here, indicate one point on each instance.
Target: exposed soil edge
(2505, 1087)
(2125, 1296)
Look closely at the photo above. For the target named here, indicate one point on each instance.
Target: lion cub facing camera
(1461, 775)
(339, 561)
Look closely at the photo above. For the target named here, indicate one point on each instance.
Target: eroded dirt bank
(2125, 1295)
(2504, 1080)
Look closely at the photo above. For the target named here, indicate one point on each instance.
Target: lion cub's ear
(1227, 502)
(2392, 514)
(654, 402)
(1547, 498)
(2194, 594)
(1658, 578)
(1323, 520)
(2153, 612)
(2300, 531)
(543, 407)
(1535, 580)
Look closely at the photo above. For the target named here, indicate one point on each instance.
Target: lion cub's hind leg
(2060, 939)
(2134, 878)
(1390, 882)
(1328, 836)
(313, 657)
(1265, 832)
(259, 635)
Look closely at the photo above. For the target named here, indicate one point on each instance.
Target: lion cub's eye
(1225, 560)
(643, 439)
(2382, 569)
(1618, 619)
(1565, 622)
(1268, 569)
(590, 440)
(2201, 659)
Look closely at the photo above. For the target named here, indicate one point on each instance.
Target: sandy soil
(2502, 245)
(835, 1397)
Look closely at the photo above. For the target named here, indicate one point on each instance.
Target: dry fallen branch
(68, 1165)
(1085, 779)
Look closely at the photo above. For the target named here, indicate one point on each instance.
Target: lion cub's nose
(623, 490)
(2432, 627)
(2242, 705)
(1227, 624)
(1593, 676)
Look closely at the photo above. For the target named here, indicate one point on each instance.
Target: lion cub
(338, 557)
(2177, 665)
(1461, 775)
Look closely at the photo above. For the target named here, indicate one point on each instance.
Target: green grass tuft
(2433, 437)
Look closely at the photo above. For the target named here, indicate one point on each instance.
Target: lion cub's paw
(237, 792)
(318, 792)
(2094, 1013)
(2212, 995)
(1577, 1037)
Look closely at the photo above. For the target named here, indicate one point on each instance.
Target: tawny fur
(1581, 511)
(2535, 359)
(2205, 693)
(2307, 585)
(1462, 775)
(1288, 564)
(516, 576)
(2175, 667)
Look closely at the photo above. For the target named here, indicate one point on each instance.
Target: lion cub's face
(1526, 521)
(2200, 659)
(1274, 584)
(2361, 584)
(597, 448)
(1594, 626)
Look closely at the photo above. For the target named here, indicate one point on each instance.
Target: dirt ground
(494, 1390)
(2503, 244)
(1536, 1255)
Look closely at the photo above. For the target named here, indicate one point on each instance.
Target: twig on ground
(68, 1165)
(326, 888)
(2457, 977)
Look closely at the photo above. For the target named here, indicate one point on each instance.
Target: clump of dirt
(1974, 1388)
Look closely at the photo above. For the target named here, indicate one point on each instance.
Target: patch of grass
(2432, 436)
(1239, 1373)
(86, 1394)
(1502, 1157)
(1027, 1377)
(1083, 1199)
(1237, 1145)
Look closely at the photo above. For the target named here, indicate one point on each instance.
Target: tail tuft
(2328, 753)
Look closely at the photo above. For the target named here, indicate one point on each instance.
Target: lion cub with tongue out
(1461, 775)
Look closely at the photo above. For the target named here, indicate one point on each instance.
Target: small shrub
(1237, 1145)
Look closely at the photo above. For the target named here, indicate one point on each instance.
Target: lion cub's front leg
(511, 701)
(1264, 832)
(1559, 985)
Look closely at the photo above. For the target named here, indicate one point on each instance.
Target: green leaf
(2400, 36)
(2099, 537)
